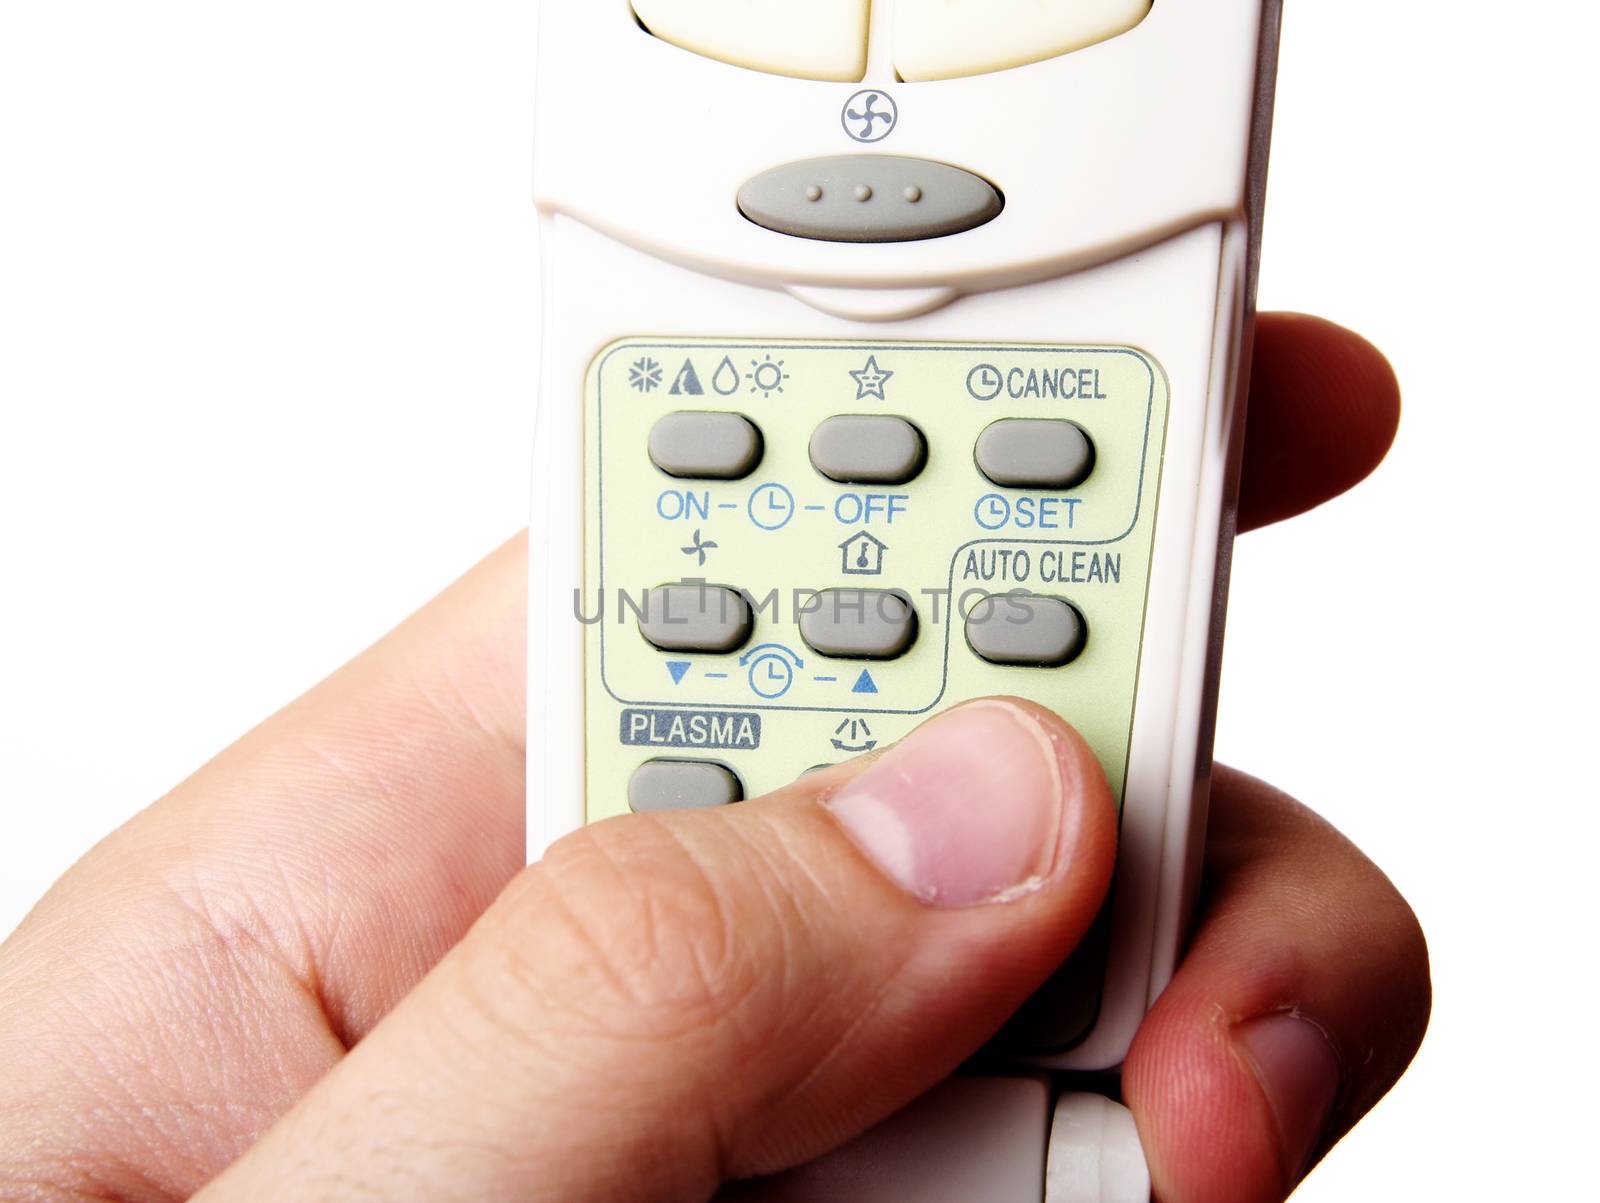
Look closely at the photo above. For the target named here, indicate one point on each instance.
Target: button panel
(682, 785)
(819, 39)
(817, 607)
(869, 198)
(695, 618)
(737, 631)
(868, 449)
(707, 445)
(1034, 453)
(943, 39)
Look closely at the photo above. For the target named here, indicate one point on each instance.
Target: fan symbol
(699, 548)
(862, 110)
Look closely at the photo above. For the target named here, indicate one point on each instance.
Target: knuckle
(1374, 916)
(1402, 947)
(629, 931)
(1388, 995)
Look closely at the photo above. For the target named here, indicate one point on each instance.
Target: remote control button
(941, 39)
(695, 618)
(820, 39)
(713, 446)
(1041, 632)
(858, 624)
(1035, 453)
(868, 449)
(868, 198)
(968, 1139)
(682, 785)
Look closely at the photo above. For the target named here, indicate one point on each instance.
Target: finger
(400, 776)
(1302, 999)
(1324, 406)
(669, 1001)
(196, 972)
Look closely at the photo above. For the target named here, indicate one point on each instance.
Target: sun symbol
(767, 376)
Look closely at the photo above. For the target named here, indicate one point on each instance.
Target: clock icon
(771, 668)
(771, 676)
(985, 382)
(992, 511)
(771, 507)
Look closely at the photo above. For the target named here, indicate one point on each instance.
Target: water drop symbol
(726, 380)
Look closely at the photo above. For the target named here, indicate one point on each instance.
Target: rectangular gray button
(695, 618)
(1035, 453)
(682, 785)
(868, 449)
(1038, 631)
(712, 446)
(858, 624)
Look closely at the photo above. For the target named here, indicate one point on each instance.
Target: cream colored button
(941, 39)
(817, 39)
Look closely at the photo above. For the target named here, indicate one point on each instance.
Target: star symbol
(870, 380)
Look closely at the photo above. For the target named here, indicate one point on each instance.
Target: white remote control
(858, 318)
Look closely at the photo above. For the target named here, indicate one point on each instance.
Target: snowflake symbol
(645, 374)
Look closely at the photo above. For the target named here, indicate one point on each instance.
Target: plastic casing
(1132, 174)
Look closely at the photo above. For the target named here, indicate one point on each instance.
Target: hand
(317, 969)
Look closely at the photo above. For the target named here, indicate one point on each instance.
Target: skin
(319, 970)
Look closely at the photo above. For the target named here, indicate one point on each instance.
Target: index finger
(1301, 1000)
(1324, 408)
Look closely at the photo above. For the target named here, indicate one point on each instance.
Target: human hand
(318, 970)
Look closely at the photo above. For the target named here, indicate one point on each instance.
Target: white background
(267, 363)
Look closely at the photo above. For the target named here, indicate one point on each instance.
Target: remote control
(895, 355)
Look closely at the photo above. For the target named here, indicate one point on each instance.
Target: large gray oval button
(1035, 453)
(868, 449)
(709, 445)
(682, 785)
(1038, 631)
(868, 198)
(858, 624)
(695, 618)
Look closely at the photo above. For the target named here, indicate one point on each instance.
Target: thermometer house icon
(862, 555)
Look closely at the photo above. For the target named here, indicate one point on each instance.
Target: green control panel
(797, 550)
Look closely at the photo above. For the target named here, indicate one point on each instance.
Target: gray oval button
(868, 449)
(1042, 632)
(682, 785)
(695, 618)
(705, 444)
(1035, 453)
(868, 198)
(858, 624)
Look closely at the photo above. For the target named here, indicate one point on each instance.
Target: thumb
(669, 1001)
